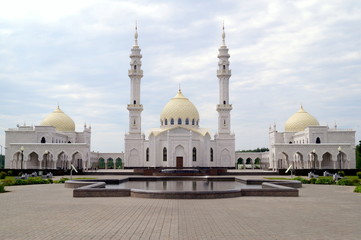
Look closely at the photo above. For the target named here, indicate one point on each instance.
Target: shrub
(10, 172)
(355, 181)
(302, 180)
(8, 182)
(341, 173)
(50, 181)
(358, 189)
(324, 180)
(20, 174)
(2, 188)
(37, 180)
(345, 182)
(21, 182)
(62, 180)
(358, 174)
(2, 175)
(313, 180)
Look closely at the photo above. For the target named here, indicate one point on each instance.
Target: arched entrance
(101, 163)
(110, 163)
(118, 163)
(326, 162)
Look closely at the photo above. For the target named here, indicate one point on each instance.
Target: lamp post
(340, 153)
(46, 158)
(314, 158)
(22, 156)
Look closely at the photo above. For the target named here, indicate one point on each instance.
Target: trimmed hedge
(2, 175)
(302, 180)
(345, 182)
(359, 175)
(29, 181)
(358, 189)
(324, 180)
(2, 188)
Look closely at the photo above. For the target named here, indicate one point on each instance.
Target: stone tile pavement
(50, 212)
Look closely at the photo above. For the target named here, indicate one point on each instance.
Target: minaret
(135, 74)
(223, 74)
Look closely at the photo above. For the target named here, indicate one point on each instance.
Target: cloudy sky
(283, 54)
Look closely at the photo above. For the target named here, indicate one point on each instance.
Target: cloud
(283, 54)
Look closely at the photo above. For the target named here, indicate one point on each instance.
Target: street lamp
(340, 153)
(46, 159)
(22, 156)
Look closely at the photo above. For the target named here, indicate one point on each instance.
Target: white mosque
(179, 141)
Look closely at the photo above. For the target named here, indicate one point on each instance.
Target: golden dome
(59, 120)
(179, 107)
(299, 121)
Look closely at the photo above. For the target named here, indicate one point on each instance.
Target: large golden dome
(299, 121)
(181, 108)
(59, 120)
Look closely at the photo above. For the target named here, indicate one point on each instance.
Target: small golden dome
(59, 120)
(179, 107)
(299, 121)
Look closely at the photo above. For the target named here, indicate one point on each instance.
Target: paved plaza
(50, 212)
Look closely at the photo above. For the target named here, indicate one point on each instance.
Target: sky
(284, 54)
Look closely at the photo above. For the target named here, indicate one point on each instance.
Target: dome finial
(136, 34)
(179, 88)
(223, 36)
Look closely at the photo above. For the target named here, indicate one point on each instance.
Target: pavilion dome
(59, 120)
(179, 107)
(299, 121)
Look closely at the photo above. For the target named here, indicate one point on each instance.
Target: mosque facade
(179, 141)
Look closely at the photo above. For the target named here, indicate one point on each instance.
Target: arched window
(192, 121)
(197, 123)
(135, 67)
(224, 102)
(179, 121)
(134, 102)
(147, 155)
(171, 121)
(165, 122)
(318, 140)
(187, 121)
(211, 154)
(69, 142)
(164, 154)
(161, 122)
(224, 67)
(43, 140)
(194, 154)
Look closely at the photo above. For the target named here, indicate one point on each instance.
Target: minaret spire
(135, 74)
(223, 36)
(224, 73)
(136, 35)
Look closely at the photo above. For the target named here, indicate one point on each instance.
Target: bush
(8, 182)
(345, 182)
(37, 180)
(2, 188)
(10, 172)
(302, 180)
(313, 180)
(355, 181)
(62, 180)
(358, 189)
(341, 173)
(359, 175)
(2, 175)
(50, 181)
(324, 180)
(21, 182)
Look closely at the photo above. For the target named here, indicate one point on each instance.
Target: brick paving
(50, 212)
